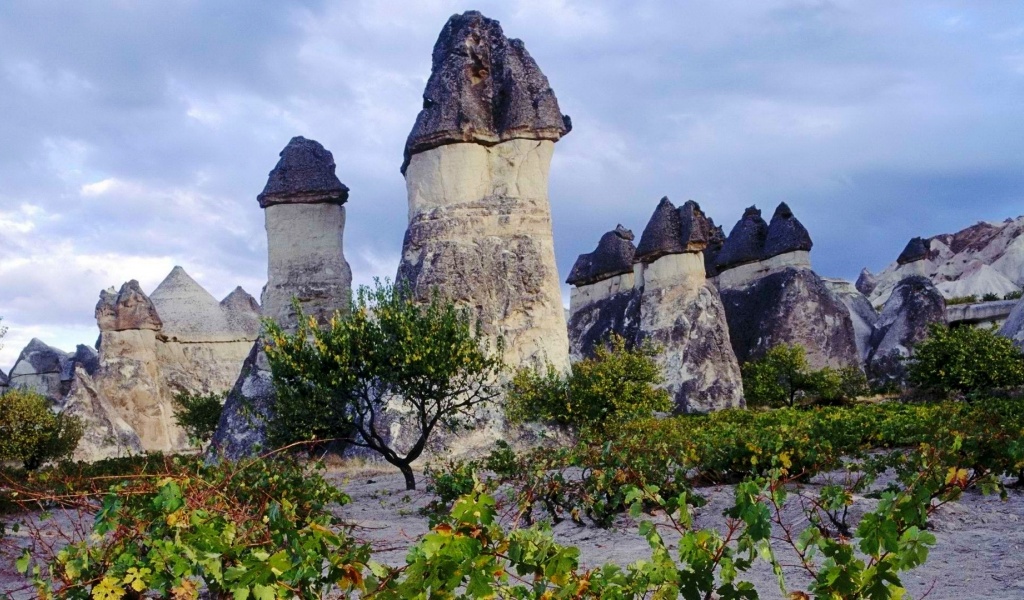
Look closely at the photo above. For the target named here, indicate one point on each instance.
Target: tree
(198, 415)
(616, 384)
(32, 433)
(965, 360)
(782, 377)
(388, 357)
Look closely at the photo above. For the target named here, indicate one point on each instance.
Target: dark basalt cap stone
(695, 226)
(613, 256)
(304, 175)
(483, 88)
(663, 234)
(785, 233)
(917, 249)
(745, 243)
(716, 239)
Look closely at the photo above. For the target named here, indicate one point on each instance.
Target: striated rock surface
(745, 243)
(866, 282)
(985, 258)
(484, 89)
(105, 433)
(862, 314)
(39, 369)
(476, 174)
(305, 223)
(1013, 328)
(786, 234)
(613, 256)
(913, 305)
(128, 308)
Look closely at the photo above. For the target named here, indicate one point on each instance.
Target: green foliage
(1013, 295)
(32, 433)
(990, 297)
(617, 384)
(198, 415)
(782, 377)
(972, 299)
(260, 530)
(388, 351)
(965, 360)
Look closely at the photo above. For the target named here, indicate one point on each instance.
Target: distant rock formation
(985, 258)
(305, 221)
(179, 339)
(1013, 328)
(866, 282)
(665, 299)
(911, 307)
(772, 296)
(39, 369)
(862, 314)
(476, 170)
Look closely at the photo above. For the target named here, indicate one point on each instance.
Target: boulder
(613, 256)
(129, 308)
(790, 306)
(476, 171)
(745, 243)
(38, 369)
(483, 89)
(862, 314)
(1013, 328)
(916, 249)
(303, 175)
(866, 282)
(785, 234)
(913, 305)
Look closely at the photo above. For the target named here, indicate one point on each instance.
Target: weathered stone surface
(613, 256)
(682, 312)
(129, 308)
(483, 88)
(242, 311)
(663, 233)
(862, 314)
(745, 243)
(985, 258)
(716, 239)
(791, 306)
(866, 282)
(38, 369)
(696, 228)
(1013, 328)
(242, 430)
(593, 322)
(786, 234)
(3, 381)
(190, 313)
(480, 233)
(106, 434)
(748, 273)
(304, 175)
(916, 249)
(913, 305)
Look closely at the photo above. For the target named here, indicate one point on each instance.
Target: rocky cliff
(911, 307)
(985, 258)
(476, 171)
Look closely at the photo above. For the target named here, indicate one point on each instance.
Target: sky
(135, 136)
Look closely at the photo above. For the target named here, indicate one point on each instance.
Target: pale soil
(979, 552)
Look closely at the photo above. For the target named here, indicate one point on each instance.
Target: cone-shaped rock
(613, 256)
(129, 308)
(188, 311)
(914, 304)
(242, 311)
(304, 175)
(916, 249)
(695, 227)
(483, 88)
(477, 164)
(785, 234)
(745, 243)
(39, 368)
(866, 282)
(662, 235)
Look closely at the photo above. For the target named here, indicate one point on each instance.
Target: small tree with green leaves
(32, 433)
(782, 377)
(198, 415)
(965, 360)
(387, 357)
(617, 384)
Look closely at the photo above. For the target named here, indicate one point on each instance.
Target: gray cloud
(135, 136)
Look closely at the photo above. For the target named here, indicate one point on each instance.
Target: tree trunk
(410, 478)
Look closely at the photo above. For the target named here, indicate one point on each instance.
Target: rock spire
(613, 256)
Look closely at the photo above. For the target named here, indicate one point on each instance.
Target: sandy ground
(979, 551)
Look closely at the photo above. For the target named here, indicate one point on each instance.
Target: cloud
(136, 136)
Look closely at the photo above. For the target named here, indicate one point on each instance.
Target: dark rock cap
(129, 308)
(716, 239)
(663, 234)
(785, 233)
(745, 243)
(304, 175)
(917, 249)
(613, 256)
(483, 88)
(695, 226)
(86, 356)
(866, 282)
(41, 357)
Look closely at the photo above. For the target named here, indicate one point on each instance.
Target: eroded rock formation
(1013, 328)
(305, 221)
(40, 368)
(476, 170)
(862, 314)
(772, 296)
(911, 307)
(665, 299)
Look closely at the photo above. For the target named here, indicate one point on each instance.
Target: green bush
(617, 384)
(972, 299)
(259, 530)
(1013, 295)
(33, 434)
(198, 415)
(782, 377)
(965, 360)
(990, 297)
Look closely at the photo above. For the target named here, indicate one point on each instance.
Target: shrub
(32, 433)
(388, 353)
(617, 384)
(965, 360)
(258, 530)
(961, 300)
(990, 297)
(1013, 295)
(198, 415)
(782, 377)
